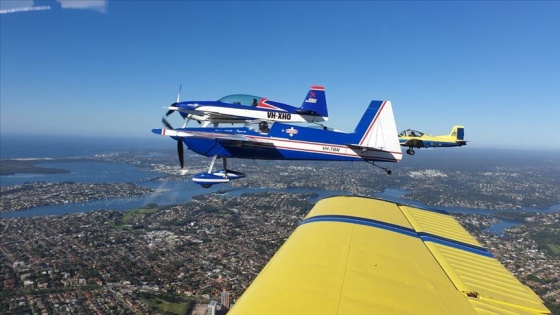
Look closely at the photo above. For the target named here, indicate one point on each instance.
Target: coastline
(12, 167)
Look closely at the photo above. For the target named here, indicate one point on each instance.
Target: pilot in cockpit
(263, 127)
(254, 102)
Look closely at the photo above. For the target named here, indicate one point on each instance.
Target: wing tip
(158, 131)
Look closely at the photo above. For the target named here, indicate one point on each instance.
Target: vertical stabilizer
(315, 102)
(458, 133)
(377, 128)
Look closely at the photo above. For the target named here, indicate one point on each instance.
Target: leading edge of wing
(204, 135)
(357, 255)
(213, 115)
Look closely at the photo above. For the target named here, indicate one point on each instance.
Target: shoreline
(12, 167)
(129, 202)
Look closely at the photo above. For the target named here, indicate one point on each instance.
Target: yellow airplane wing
(355, 255)
(415, 142)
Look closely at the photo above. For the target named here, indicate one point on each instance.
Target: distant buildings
(224, 296)
(212, 307)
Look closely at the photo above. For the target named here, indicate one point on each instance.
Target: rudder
(315, 102)
(458, 133)
(377, 128)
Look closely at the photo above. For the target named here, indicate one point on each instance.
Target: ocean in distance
(16, 146)
(165, 192)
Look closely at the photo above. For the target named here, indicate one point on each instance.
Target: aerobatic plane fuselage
(244, 108)
(374, 140)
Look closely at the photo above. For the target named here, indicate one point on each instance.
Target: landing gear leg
(224, 163)
(205, 185)
(212, 164)
(211, 177)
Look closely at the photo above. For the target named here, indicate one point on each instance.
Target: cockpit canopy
(410, 133)
(241, 99)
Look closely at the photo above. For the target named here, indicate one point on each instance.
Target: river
(181, 191)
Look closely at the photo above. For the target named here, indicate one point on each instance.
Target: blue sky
(108, 67)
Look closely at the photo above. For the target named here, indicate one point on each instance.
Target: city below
(184, 257)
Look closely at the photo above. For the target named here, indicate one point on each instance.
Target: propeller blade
(169, 112)
(180, 153)
(178, 94)
(166, 123)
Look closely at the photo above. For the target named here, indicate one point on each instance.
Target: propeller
(180, 153)
(169, 112)
(180, 149)
(166, 124)
(179, 93)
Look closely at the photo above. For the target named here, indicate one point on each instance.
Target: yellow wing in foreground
(355, 255)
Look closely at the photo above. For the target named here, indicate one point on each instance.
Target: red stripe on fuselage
(356, 155)
(310, 143)
(264, 104)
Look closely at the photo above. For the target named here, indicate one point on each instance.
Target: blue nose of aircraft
(189, 105)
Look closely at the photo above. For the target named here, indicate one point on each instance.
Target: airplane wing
(211, 116)
(417, 143)
(207, 135)
(355, 255)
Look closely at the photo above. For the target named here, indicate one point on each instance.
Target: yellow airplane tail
(458, 133)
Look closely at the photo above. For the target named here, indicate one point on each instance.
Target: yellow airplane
(416, 139)
(358, 255)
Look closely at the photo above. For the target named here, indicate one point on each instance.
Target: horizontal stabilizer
(307, 112)
(362, 148)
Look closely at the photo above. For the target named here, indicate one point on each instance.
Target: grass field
(131, 214)
(555, 248)
(163, 306)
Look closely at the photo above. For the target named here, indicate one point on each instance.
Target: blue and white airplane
(244, 108)
(374, 140)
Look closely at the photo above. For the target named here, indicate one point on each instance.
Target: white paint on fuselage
(238, 115)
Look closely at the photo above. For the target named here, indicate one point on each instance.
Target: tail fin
(315, 103)
(377, 128)
(458, 133)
